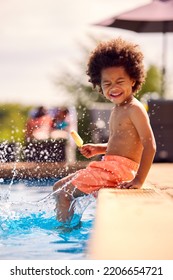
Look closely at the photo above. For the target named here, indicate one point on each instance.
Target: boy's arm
(90, 150)
(141, 122)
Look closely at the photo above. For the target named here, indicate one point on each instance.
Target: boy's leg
(64, 198)
(59, 184)
(64, 203)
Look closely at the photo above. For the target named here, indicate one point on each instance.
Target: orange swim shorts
(107, 173)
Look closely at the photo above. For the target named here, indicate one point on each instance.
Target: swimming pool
(28, 228)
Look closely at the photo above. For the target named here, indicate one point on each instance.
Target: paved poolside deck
(132, 225)
(136, 224)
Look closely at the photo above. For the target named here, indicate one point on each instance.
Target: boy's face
(116, 84)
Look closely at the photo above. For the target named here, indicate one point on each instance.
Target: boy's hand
(88, 150)
(134, 184)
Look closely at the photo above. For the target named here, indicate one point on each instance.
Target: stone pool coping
(132, 225)
(160, 174)
(21, 170)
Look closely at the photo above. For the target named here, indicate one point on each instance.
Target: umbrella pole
(163, 62)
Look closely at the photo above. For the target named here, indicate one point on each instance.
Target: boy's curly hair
(117, 52)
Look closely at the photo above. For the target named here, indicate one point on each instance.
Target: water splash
(23, 216)
(9, 152)
(78, 204)
(6, 190)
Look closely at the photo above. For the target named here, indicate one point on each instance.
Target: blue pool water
(29, 229)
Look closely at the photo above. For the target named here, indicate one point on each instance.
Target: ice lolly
(78, 140)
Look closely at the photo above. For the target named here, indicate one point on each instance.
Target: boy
(116, 69)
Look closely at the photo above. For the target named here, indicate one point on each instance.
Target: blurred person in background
(39, 125)
(60, 124)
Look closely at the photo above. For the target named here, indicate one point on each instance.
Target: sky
(41, 38)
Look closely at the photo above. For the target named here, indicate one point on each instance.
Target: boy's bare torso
(123, 138)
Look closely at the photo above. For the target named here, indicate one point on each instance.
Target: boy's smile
(116, 84)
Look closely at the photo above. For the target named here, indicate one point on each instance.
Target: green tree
(152, 82)
(13, 120)
(76, 84)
